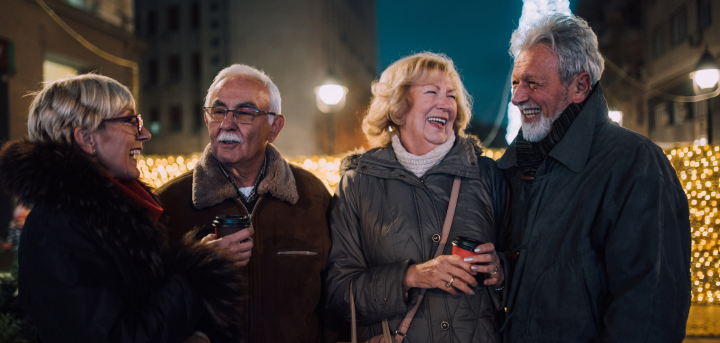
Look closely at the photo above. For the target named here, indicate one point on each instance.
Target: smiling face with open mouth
(429, 122)
(117, 145)
(538, 91)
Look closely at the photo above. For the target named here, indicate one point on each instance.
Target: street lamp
(706, 74)
(705, 77)
(330, 98)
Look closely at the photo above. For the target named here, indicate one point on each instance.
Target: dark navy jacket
(605, 251)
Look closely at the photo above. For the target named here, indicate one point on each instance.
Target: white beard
(535, 132)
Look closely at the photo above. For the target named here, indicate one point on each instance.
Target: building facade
(651, 48)
(300, 44)
(678, 32)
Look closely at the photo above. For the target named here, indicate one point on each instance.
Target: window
(54, 71)
(196, 66)
(662, 116)
(215, 60)
(175, 118)
(195, 15)
(681, 112)
(173, 18)
(657, 42)
(215, 42)
(704, 14)
(199, 115)
(174, 74)
(152, 73)
(151, 23)
(678, 28)
(154, 121)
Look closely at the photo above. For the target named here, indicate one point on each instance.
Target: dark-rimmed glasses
(241, 115)
(135, 119)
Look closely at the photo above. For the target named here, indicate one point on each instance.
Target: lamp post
(330, 98)
(705, 77)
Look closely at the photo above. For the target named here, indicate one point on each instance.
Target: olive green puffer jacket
(383, 219)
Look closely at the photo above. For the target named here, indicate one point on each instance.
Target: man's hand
(239, 244)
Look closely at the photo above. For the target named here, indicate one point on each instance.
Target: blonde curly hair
(392, 101)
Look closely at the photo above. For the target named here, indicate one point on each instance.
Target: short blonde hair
(392, 101)
(75, 101)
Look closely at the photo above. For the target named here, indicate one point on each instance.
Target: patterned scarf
(530, 155)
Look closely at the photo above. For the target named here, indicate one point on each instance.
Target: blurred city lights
(696, 167)
(616, 116)
(331, 94)
(707, 78)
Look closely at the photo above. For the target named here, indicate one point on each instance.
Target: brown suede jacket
(291, 240)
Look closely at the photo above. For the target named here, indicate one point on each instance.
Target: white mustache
(229, 137)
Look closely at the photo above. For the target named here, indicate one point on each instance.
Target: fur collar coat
(210, 186)
(95, 267)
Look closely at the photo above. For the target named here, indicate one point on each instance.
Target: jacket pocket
(298, 253)
(560, 306)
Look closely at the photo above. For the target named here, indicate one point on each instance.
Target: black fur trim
(217, 281)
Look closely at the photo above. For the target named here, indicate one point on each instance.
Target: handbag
(386, 337)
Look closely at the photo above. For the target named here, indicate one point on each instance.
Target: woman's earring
(94, 152)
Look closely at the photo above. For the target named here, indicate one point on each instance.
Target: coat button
(436, 238)
(472, 163)
(445, 325)
(363, 168)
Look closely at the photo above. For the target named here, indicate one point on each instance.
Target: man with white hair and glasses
(242, 173)
(599, 224)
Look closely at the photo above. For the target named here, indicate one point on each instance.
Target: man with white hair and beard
(242, 173)
(599, 232)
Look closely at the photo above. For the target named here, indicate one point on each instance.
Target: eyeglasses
(240, 115)
(134, 119)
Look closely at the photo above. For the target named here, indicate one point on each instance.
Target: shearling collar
(210, 187)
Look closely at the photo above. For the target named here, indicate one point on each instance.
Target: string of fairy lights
(696, 167)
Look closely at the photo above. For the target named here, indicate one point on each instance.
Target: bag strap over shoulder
(405, 324)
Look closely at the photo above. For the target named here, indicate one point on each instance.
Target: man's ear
(84, 139)
(275, 128)
(580, 88)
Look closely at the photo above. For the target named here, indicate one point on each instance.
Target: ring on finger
(448, 284)
(494, 271)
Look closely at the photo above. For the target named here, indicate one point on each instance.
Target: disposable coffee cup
(230, 223)
(465, 247)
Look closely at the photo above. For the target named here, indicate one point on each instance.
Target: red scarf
(140, 196)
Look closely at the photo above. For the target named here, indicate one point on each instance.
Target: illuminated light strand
(696, 167)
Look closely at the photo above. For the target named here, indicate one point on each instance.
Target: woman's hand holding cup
(446, 272)
(489, 264)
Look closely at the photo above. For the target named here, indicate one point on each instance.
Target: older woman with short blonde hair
(391, 203)
(94, 259)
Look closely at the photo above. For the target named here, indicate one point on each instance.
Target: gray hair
(570, 39)
(75, 101)
(241, 70)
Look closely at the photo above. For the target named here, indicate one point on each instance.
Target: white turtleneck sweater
(420, 164)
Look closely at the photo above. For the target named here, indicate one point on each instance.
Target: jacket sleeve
(77, 293)
(647, 255)
(377, 289)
